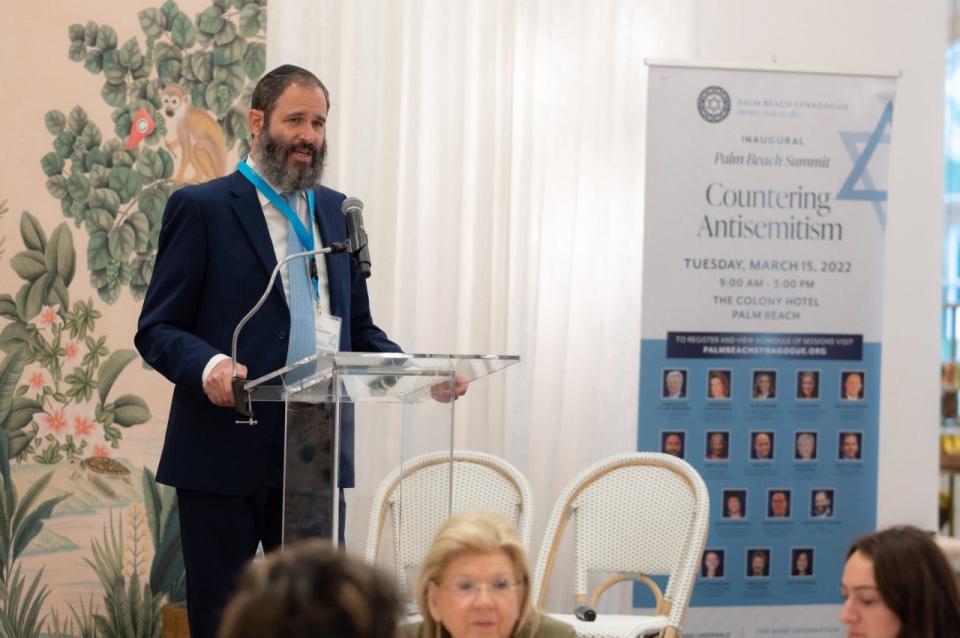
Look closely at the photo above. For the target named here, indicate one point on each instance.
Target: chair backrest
(415, 497)
(642, 513)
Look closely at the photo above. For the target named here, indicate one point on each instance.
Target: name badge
(328, 331)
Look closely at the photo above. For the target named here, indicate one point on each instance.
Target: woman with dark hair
(897, 583)
(712, 564)
(802, 563)
(808, 387)
(733, 503)
(764, 385)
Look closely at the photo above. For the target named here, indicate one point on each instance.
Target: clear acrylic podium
(319, 394)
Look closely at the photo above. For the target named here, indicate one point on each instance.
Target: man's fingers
(441, 392)
(461, 384)
(222, 401)
(219, 385)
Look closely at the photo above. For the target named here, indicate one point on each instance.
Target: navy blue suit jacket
(213, 263)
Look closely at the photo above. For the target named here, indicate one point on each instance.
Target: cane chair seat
(415, 498)
(637, 516)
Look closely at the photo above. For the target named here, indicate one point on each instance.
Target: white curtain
(499, 148)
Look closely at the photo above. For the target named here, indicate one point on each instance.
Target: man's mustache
(304, 147)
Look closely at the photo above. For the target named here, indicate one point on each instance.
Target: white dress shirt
(278, 226)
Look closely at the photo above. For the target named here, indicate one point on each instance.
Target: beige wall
(91, 496)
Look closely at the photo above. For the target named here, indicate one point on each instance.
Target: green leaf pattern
(216, 56)
(57, 374)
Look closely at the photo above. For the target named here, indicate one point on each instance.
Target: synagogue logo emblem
(713, 104)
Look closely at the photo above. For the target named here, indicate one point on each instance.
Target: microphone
(383, 384)
(585, 613)
(353, 209)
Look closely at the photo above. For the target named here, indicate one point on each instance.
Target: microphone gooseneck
(241, 397)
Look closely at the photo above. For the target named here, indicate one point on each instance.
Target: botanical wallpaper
(122, 107)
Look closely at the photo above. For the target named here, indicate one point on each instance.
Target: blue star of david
(852, 141)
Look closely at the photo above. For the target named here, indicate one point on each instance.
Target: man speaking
(218, 245)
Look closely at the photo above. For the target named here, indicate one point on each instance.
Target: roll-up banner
(761, 323)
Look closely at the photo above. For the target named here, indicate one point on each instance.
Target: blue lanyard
(306, 239)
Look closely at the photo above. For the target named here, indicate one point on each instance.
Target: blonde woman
(475, 581)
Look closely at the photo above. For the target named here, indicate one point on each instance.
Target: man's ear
(255, 120)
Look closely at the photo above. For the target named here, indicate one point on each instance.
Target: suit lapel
(246, 206)
(337, 267)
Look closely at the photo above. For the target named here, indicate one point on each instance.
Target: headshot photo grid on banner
(760, 352)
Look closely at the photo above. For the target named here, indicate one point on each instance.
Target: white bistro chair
(637, 515)
(415, 498)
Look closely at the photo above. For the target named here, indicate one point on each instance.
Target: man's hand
(441, 391)
(219, 384)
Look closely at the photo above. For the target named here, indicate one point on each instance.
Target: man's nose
(305, 133)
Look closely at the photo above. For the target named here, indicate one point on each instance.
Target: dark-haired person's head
(712, 566)
(763, 385)
(758, 564)
(271, 86)
(849, 446)
(897, 583)
(287, 119)
(309, 589)
(853, 386)
(808, 385)
(717, 446)
(673, 444)
(733, 505)
(822, 503)
(779, 504)
(801, 563)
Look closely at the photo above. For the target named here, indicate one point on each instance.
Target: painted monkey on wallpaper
(199, 137)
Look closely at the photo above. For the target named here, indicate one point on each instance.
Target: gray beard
(272, 155)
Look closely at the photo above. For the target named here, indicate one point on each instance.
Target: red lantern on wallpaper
(141, 126)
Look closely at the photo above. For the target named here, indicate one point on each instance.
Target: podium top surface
(372, 376)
